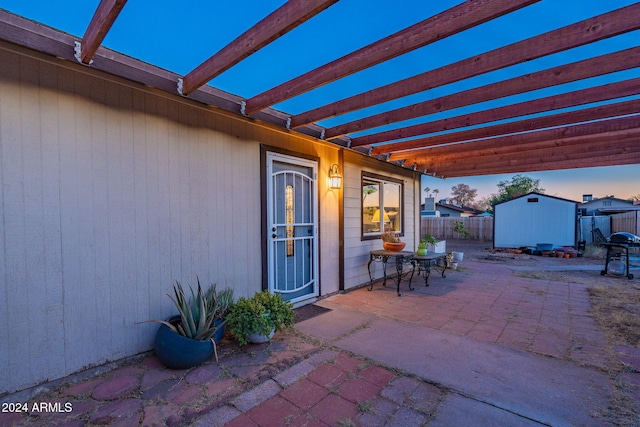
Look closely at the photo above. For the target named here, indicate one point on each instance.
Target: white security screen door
(292, 214)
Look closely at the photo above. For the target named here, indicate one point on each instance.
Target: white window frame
(381, 180)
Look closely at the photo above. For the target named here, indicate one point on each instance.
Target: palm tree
(426, 190)
(435, 192)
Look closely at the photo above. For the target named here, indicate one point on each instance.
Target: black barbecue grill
(617, 261)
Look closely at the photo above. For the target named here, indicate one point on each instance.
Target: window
(382, 201)
(288, 208)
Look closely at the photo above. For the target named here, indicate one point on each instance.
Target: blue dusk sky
(178, 36)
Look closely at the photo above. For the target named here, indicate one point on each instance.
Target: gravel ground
(585, 269)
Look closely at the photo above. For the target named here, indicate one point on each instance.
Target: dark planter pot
(220, 332)
(178, 352)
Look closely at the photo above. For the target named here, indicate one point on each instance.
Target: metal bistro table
(401, 258)
(425, 262)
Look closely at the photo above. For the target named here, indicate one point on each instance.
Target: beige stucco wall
(109, 192)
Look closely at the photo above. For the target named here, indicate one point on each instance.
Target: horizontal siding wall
(357, 250)
(108, 194)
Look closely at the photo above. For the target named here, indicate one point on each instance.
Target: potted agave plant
(256, 319)
(189, 338)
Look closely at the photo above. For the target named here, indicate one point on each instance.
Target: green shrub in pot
(427, 240)
(262, 314)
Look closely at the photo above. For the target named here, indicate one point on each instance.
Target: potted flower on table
(391, 241)
(423, 246)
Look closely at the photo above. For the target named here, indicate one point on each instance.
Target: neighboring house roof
(619, 209)
(458, 208)
(608, 198)
(609, 205)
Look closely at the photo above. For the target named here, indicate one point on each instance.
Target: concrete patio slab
(456, 410)
(550, 391)
(556, 267)
(334, 323)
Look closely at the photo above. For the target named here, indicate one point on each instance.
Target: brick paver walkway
(292, 380)
(489, 303)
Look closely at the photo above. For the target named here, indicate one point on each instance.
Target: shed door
(292, 227)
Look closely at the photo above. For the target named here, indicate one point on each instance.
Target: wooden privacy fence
(592, 226)
(628, 221)
(608, 224)
(480, 228)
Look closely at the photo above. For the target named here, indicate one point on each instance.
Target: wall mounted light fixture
(335, 179)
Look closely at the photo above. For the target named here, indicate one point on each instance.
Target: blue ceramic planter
(178, 352)
(217, 337)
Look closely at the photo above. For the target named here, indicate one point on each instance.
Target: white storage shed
(535, 218)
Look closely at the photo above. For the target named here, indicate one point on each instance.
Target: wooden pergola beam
(23, 35)
(584, 115)
(629, 153)
(452, 21)
(493, 163)
(560, 148)
(614, 160)
(593, 156)
(523, 141)
(554, 154)
(285, 18)
(597, 28)
(540, 105)
(605, 64)
(27, 35)
(101, 22)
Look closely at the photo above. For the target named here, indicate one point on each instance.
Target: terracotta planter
(395, 247)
